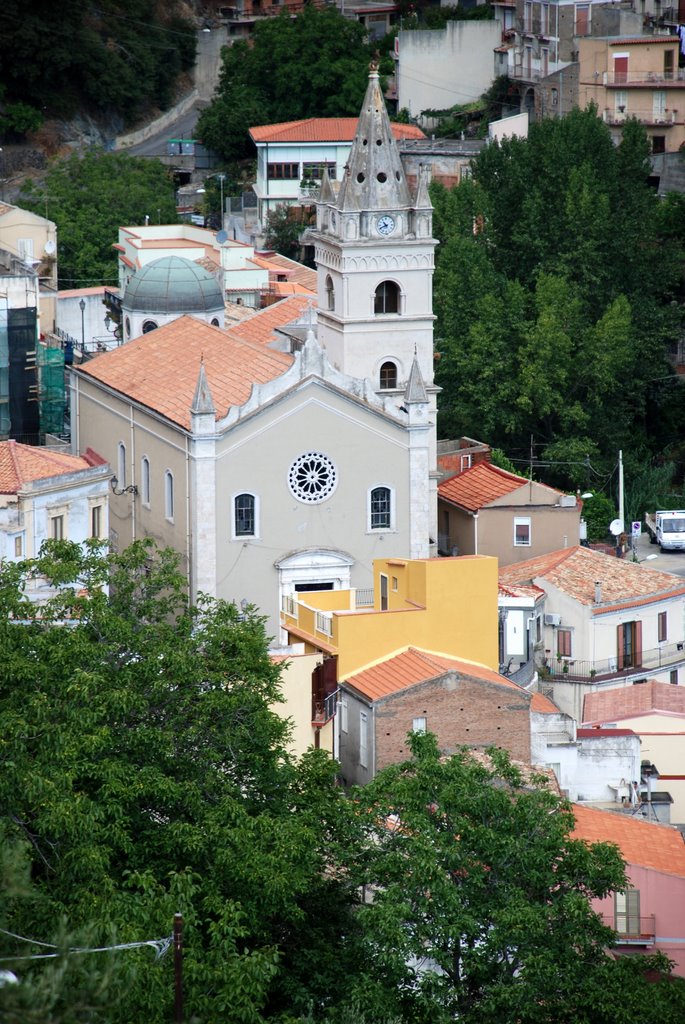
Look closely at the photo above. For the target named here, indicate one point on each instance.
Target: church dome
(173, 285)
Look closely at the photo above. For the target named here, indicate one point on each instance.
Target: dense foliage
(89, 197)
(145, 771)
(116, 57)
(556, 293)
(314, 65)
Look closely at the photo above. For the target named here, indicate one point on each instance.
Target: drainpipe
(475, 533)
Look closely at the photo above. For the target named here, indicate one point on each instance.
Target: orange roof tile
(543, 705)
(295, 271)
(290, 288)
(412, 666)
(98, 289)
(21, 464)
(642, 843)
(260, 327)
(323, 129)
(478, 486)
(575, 570)
(628, 701)
(160, 369)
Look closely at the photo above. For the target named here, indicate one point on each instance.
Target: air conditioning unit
(552, 620)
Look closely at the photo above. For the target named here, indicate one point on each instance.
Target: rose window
(312, 477)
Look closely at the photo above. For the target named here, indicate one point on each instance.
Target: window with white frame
(344, 722)
(659, 104)
(17, 546)
(245, 508)
(96, 521)
(522, 531)
(57, 526)
(387, 298)
(145, 480)
(169, 495)
(662, 627)
(25, 247)
(419, 724)
(388, 375)
(464, 462)
(564, 643)
(363, 739)
(380, 508)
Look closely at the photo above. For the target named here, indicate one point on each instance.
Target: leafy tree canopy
(314, 65)
(480, 906)
(115, 57)
(89, 197)
(145, 770)
(554, 290)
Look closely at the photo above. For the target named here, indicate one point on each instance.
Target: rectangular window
(289, 172)
(627, 911)
(419, 724)
(621, 69)
(381, 508)
(96, 521)
(169, 495)
(564, 643)
(663, 626)
(19, 546)
(244, 510)
(384, 592)
(343, 714)
(527, 16)
(621, 101)
(465, 172)
(315, 171)
(668, 64)
(394, 583)
(521, 532)
(658, 143)
(363, 739)
(582, 19)
(57, 527)
(538, 629)
(25, 247)
(464, 462)
(659, 105)
(673, 677)
(544, 62)
(629, 645)
(544, 19)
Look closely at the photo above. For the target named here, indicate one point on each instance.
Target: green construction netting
(51, 389)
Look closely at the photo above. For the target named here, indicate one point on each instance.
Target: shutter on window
(330, 675)
(638, 645)
(619, 646)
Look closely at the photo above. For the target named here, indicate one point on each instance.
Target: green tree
(112, 59)
(89, 197)
(284, 225)
(313, 65)
(480, 910)
(145, 767)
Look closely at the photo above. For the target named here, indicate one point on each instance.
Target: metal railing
(637, 931)
(363, 597)
(576, 670)
(289, 605)
(324, 710)
(618, 79)
(324, 623)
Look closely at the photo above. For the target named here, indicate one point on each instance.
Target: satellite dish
(221, 237)
(50, 247)
(616, 527)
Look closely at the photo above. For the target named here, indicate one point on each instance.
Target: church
(286, 453)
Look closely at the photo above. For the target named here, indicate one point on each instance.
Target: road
(156, 145)
(667, 561)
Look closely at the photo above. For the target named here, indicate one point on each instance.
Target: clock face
(385, 224)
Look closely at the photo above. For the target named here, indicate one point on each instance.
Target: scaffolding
(51, 389)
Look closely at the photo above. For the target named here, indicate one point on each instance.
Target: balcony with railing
(644, 79)
(663, 119)
(112, 300)
(637, 931)
(324, 708)
(575, 670)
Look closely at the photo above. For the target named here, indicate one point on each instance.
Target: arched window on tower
(388, 376)
(330, 292)
(387, 298)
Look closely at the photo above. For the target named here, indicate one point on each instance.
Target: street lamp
(82, 307)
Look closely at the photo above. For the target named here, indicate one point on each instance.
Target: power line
(161, 946)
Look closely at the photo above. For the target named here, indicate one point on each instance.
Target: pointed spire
(202, 400)
(423, 200)
(415, 390)
(326, 194)
(374, 177)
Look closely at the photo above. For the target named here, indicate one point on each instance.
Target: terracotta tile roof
(641, 40)
(99, 289)
(323, 129)
(543, 705)
(574, 571)
(21, 464)
(295, 271)
(521, 590)
(260, 327)
(627, 701)
(478, 486)
(290, 288)
(159, 370)
(643, 843)
(411, 666)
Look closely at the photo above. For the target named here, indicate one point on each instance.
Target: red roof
(260, 327)
(479, 485)
(140, 369)
(592, 734)
(642, 843)
(323, 129)
(411, 666)
(22, 464)
(575, 570)
(629, 701)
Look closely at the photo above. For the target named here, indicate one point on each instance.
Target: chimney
(598, 592)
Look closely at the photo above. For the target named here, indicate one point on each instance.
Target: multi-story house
(639, 78)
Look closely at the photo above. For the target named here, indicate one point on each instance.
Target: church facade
(288, 455)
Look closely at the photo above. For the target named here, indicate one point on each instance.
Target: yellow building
(635, 77)
(445, 605)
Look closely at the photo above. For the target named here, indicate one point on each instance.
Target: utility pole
(621, 497)
(178, 968)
